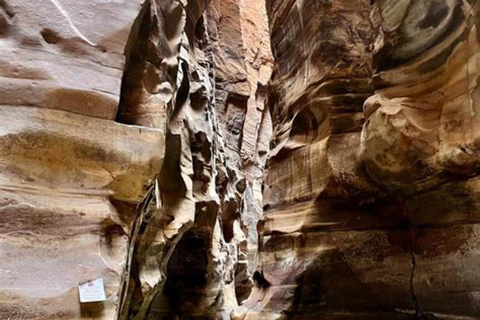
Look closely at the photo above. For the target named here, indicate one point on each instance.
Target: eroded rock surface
(370, 199)
(196, 246)
(86, 197)
(134, 140)
(70, 176)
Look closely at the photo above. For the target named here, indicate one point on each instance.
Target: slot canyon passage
(240, 159)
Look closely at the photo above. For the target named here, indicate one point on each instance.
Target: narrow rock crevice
(415, 302)
(240, 159)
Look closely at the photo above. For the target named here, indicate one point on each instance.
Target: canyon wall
(134, 138)
(371, 195)
(148, 143)
(70, 176)
(195, 246)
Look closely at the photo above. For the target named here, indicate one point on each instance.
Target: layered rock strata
(135, 136)
(191, 255)
(371, 196)
(94, 96)
(70, 176)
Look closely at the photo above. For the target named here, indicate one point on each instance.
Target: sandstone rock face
(134, 140)
(371, 195)
(80, 193)
(196, 244)
(65, 54)
(70, 176)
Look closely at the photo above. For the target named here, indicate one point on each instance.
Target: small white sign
(92, 291)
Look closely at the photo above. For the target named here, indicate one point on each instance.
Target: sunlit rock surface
(70, 176)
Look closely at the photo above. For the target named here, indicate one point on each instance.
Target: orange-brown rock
(69, 175)
(198, 70)
(134, 140)
(370, 199)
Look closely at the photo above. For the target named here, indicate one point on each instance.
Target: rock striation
(240, 159)
(70, 176)
(371, 195)
(134, 141)
(195, 246)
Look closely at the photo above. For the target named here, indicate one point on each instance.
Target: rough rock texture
(134, 140)
(70, 176)
(85, 197)
(202, 74)
(371, 196)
